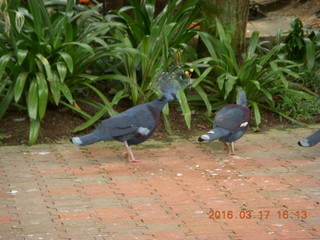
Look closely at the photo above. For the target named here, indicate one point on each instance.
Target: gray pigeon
(311, 140)
(138, 123)
(230, 123)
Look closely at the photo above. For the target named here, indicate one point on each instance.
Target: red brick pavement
(180, 190)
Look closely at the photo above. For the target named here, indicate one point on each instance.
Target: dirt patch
(281, 15)
(58, 124)
(307, 11)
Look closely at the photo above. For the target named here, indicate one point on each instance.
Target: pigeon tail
(242, 99)
(304, 143)
(87, 139)
(311, 140)
(214, 134)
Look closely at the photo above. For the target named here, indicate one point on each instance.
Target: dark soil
(58, 124)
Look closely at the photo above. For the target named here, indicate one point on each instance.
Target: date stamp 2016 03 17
(261, 214)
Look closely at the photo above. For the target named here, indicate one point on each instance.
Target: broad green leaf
(256, 84)
(62, 71)
(202, 76)
(145, 48)
(68, 32)
(229, 83)
(43, 94)
(125, 8)
(204, 97)
(220, 80)
(41, 20)
(6, 100)
(248, 70)
(310, 53)
(37, 18)
(271, 53)
(220, 31)
(267, 94)
(107, 103)
(77, 110)
(92, 120)
(68, 60)
(85, 46)
(33, 100)
(166, 109)
(278, 35)
(90, 103)
(231, 57)
(279, 72)
(46, 65)
(34, 131)
(123, 79)
(207, 40)
(66, 92)
(256, 112)
(19, 85)
(55, 88)
(184, 107)
(165, 117)
(3, 63)
(21, 55)
(291, 73)
(88, 76)
(252, 45)
(119, 95)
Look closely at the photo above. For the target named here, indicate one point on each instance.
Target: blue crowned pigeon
(230, 123)
(311, 140)
(138, 123)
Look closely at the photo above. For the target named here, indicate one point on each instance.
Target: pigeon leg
(129, 151)
(225, 145)
(232, 149)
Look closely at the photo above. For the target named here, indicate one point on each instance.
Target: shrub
(160, 41)
(46, 48)
(260, 76)
(302, 45)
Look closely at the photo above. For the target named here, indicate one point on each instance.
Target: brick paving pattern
(180, 190)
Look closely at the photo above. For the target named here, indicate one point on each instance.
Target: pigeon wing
(137, 120)
(232, 117)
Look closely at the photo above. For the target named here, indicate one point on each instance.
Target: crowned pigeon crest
(230, 123)
(138, 123)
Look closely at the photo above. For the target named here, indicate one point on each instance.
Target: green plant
(45, 54)
(260, 76)
(299, 105)
(302, 45)
(159, 42)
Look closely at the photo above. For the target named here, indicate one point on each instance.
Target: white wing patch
(76, 141)
(143, 131)
(205, 137)
(211, 132)
(244, 124)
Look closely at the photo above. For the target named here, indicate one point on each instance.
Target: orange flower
(84, 1)
(195, 25)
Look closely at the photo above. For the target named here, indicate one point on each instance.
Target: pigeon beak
(174, 95)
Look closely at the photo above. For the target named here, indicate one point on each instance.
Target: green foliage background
(52, 52)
